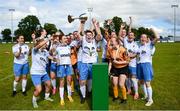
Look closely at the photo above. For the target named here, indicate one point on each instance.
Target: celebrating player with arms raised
(144, 67)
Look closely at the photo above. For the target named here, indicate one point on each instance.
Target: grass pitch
(166, 85)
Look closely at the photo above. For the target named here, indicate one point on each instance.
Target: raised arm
(121, 29)
(155, 35)
(92, 25)
(106, 34)
(42, 43)
(81, 28)
(98, 31)
(130, 25)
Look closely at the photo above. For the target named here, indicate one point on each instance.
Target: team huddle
(68, 60)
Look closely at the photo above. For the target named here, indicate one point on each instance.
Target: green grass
(166, 85)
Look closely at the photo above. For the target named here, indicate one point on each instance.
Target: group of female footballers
(69, 59)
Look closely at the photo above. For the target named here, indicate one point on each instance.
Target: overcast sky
(157, 14)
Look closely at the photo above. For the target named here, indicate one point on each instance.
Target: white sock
(24, 83)
(145, 90)
(83, 90)
(69, 90)
(149, 91)
(47, 95)
(135, 85)
(34, 99)
(89, 84)
(14, 85)
(61, 92)
(53, 81)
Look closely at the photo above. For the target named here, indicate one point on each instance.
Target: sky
(156, 14)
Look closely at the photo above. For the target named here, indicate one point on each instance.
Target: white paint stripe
(6, 77)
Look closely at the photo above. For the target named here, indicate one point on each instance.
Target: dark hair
(17, 37)
(131, 32)
(41, 30)
(75, 31)
(70, 34)
(55, 36)
(146, 35)
(88, 31)
(38, 40)
(60, 37)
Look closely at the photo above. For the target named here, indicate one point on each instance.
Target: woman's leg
(122, 79)
(69, 81)
(83, 90)
(61, 90)
(15, 83)
(36, 93)
(53, 81)
(128, 83)
(135, 85)
(149, 93)
(115, 87)
(144, 89)
(24, 83)
(47, 90)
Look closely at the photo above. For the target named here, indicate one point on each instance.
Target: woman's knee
(148, 84)
(52, 75)
(38, 90)
(69, 79)
(61, 82)
(82, 82)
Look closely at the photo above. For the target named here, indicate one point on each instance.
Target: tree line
(31, 24)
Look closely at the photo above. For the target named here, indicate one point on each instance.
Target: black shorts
(74, 66)
(118, 71)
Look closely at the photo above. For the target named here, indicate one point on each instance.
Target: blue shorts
(86, 71)
(132, 70)
(38, 79)
(64, 70)
(21, 69)
(145, 71)
(53, 67)
(79, 65)
(47, 68)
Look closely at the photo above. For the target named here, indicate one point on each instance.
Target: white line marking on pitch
(6, 77)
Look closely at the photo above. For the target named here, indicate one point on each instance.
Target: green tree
(17, 32)
(117, 21)
(27, 26)
(50, 28)
(102, 30)
(115, 25)
(6, 34)
(142, 30)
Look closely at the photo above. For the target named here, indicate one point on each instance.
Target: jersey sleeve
(34, 51)
(15, 49)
